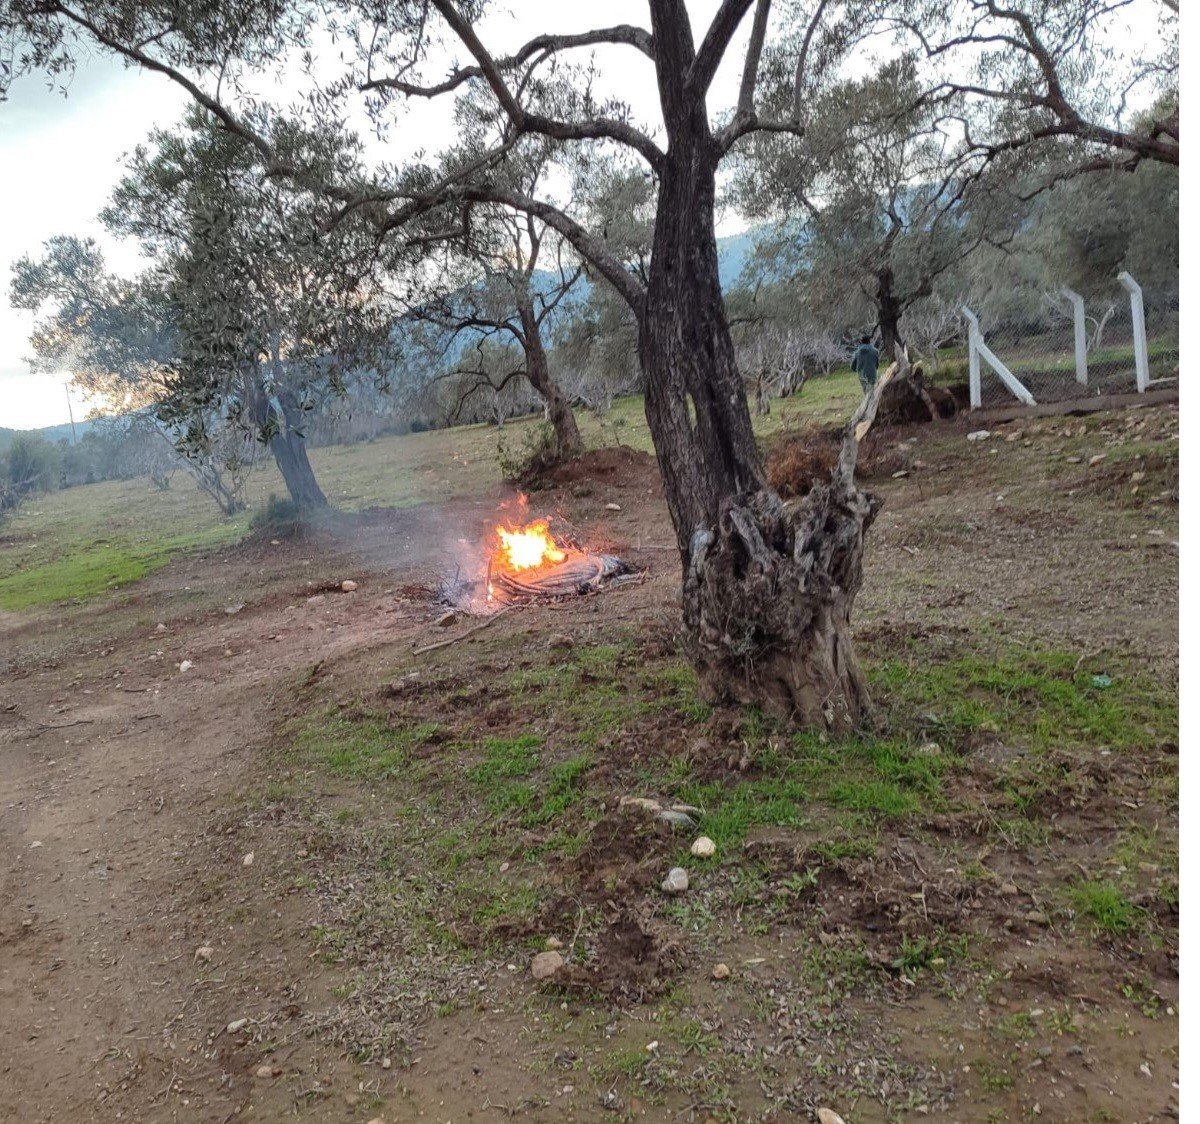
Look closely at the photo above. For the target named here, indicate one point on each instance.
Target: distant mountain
(51, 433)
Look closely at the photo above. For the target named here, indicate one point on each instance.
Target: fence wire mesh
(1038, 348)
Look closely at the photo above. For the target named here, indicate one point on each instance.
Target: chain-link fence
(1073, 346)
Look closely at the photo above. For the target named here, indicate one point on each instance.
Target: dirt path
(114, 760)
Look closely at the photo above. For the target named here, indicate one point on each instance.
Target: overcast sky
(62, 157)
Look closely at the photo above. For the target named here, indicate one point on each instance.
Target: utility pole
(70, 412)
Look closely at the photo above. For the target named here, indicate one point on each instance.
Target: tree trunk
(288, 448)
(537, 370)
(291, 455)
(768, 588)
(890, 311)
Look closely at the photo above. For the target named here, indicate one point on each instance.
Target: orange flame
(526, 548)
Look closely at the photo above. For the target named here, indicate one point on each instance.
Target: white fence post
(1141, 357)
(1080, 336)
(973, 357)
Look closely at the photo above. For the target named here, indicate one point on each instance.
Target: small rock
(828, 1116)
(1097, 459)
(267, 1071)
(376, 1120)
(546, 964)
(36, 843)
(160, 627)
(642, 802)
(977, 435)
(1037, 917)
(204, 952)
(553, 944)
(386, 1063)
(691, 809)
(230, 610)
(676, 881)
(1008, 889)
(316, 599)
(676, 819)
(447, 619)
(185, 665)
(900, 474)
(562, 640)
(248, 859)
(229, 651)
(349, 586)
(720, 972)
(704, 848)
(612, 507)
(237, 1025)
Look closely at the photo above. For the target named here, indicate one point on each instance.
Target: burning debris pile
(526, 562)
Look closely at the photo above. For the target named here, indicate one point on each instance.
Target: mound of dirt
(798, 461)
(617, 465)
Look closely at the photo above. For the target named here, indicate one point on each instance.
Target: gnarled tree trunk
(768, 588)
(537, 370)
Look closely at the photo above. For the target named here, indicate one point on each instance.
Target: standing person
(865, 362)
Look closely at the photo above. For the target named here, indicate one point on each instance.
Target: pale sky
(62, 157)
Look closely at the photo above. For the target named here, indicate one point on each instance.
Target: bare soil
(171, 876)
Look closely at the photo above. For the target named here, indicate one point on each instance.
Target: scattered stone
(376, 1120)
(1097, 459)
(349, 586)
(230, 610)
(553, 944)
(979, 435)
(546, 964)
(612, 507)
(1008, 889)
(36, 843)
(704, 848)
(204, 952)
(185, 665)
(676, 819)
(237, 1025)
(386, 1063)
(1037, 917)
(1074, 460)
(651, 1047)
(690, 809)
(562, 640)
(720, 972)
(447, 619)
(229, 651)
(676, 881)
(268, 1071)
(900, 474)
(160, 627)
(248, 859)
(828, 1116)
(316, 599)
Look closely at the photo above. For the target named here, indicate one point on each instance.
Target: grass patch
(366, 748)
(1105, 905)
(1041, 697)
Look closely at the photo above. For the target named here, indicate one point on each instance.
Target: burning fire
(527, 547)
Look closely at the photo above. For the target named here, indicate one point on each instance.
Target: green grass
(1105, 905)
(1042, 698)
(365, 748)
